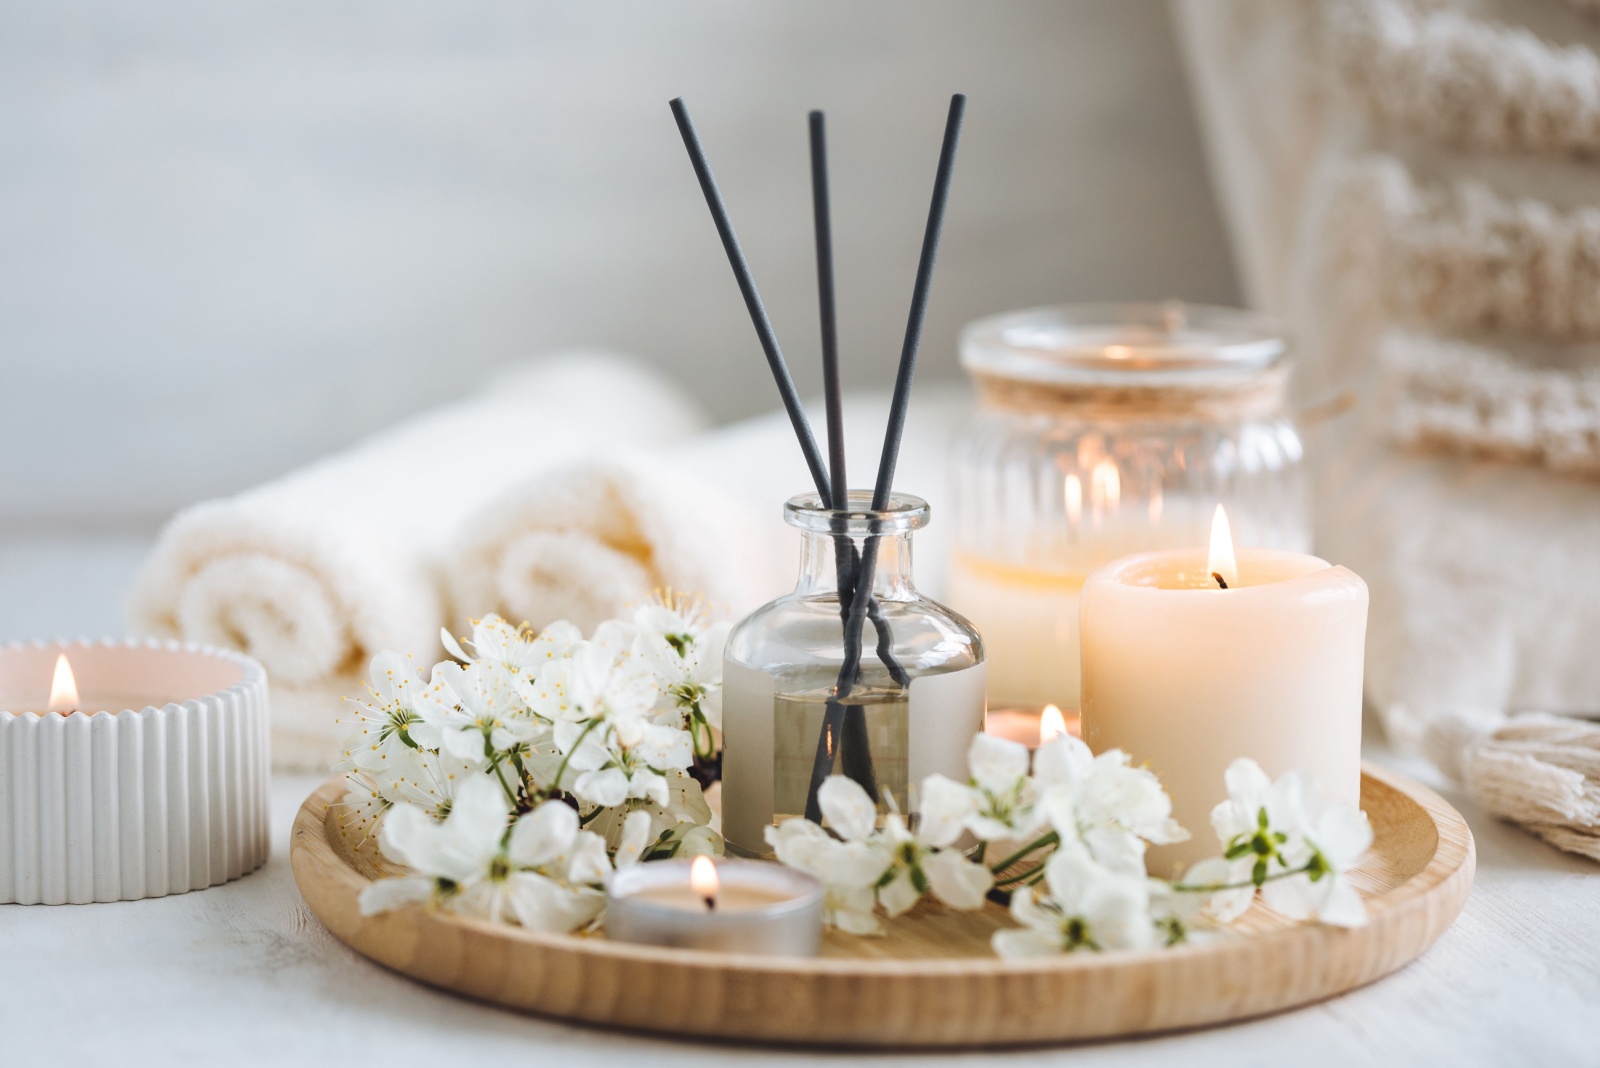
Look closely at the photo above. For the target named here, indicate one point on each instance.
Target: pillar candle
(1186, 676)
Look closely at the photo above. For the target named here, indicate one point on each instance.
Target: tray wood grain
(933, 981)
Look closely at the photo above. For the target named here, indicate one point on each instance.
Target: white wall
(233, 236)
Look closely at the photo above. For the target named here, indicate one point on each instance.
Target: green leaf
(1258, 874)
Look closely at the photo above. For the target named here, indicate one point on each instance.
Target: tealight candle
(733, 906)
(1194, 659)
(142, 773)
(1031, 727)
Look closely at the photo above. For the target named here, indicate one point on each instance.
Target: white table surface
(244, 975)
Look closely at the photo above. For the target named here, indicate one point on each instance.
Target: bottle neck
(823, 555)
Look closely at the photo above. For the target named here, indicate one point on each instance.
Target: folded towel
(315, 572)
(584, 541)
(587, 541)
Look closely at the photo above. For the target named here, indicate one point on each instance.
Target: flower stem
(1212, 888)
(499, 774)
(555, 785)
(1049, 839)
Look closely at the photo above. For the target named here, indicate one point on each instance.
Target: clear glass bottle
(1104, 430)
(911, 709)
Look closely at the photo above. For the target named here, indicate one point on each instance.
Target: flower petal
(606, 788)
(1342, 906)
(900, 894)
(589, 863)
(1247, 784)
(947, 807)
(1021, 943)
(1062, 761)
(635, 837)
(957, 881)
(387, 894)
(996, 763)
(543, 834)
(1343, 834)
(847, 808)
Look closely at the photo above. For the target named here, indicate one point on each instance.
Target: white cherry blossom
(998, 804)
(472, 710)
(517, 649)
(1082, 905)
(382, 722)
(1277, 836)
(684, 651)
(1104, 803)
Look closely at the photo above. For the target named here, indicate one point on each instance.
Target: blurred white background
(234, 237)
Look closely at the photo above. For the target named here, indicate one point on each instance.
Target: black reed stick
(752, 299)
(833, 391)
(821, 217)
(854, 742)
(823, 762)
(769, 345)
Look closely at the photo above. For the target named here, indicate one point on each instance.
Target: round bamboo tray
(933, 981)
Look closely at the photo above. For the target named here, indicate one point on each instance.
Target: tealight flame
(1221, 563)
(63, 688)
(1052, 724)
(1074, 491)
(703, 880)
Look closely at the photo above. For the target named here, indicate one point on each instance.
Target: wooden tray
(932, 982)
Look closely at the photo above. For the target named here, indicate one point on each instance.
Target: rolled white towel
(315, 572)
(586, 542)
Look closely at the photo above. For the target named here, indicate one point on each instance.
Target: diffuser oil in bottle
(869, 742)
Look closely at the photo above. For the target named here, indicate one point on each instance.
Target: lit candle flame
(1221, 563)
(63, 688)
(1106, 486)
(1052, 724)
(1074, 490)
(703, 880)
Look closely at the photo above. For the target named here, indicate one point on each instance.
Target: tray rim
(1432, 897)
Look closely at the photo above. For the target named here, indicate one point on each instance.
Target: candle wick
(711, 903)
(1220, 580)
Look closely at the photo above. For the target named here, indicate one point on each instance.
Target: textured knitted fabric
(1458, 80)
(1475, 399)
(1464, 260)
(1411, 184)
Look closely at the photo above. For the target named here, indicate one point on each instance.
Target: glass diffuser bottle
(910, 709)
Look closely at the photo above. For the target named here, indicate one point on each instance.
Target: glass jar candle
(1104, 430)
(912, 706)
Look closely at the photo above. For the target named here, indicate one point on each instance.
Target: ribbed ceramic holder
(165, 796)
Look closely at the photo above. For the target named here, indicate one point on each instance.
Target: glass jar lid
(1124, 345)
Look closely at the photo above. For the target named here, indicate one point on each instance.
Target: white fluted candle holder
(156, 786)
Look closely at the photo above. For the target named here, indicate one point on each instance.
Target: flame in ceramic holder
(165, 796)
